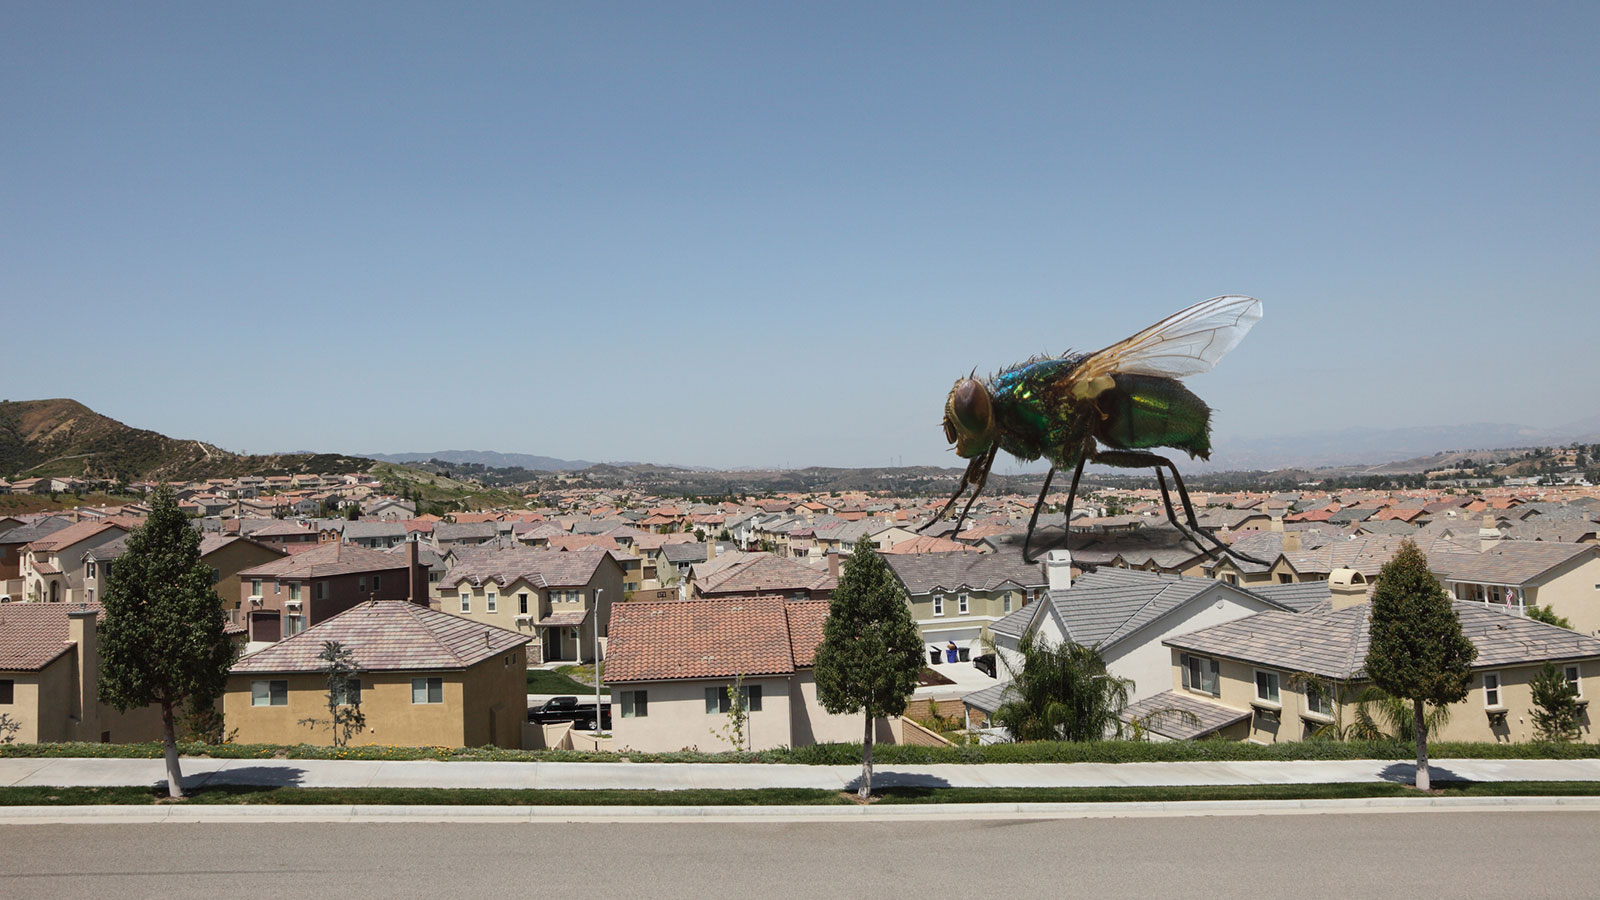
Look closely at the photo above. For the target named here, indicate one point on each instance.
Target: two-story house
(558, 597)
(286, 596)
(957, 596)
(52, 566)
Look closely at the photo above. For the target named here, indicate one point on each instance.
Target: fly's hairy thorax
(1034, 413)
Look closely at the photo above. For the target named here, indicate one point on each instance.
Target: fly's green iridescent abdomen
(1150, 411)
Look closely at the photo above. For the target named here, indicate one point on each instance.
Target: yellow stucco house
(427, 678)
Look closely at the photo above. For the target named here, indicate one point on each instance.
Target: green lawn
(248, 794)
(544, 681)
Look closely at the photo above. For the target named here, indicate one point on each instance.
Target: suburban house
(956, 596)
(672, 666)
(13, 539)
(1564, 578)
(427, 678)
(52, 566)
(286, 596)
(1125, 615)
(225, 555)
(49, 673)
(373, 535)
(1280, 676)
(291, 536)
(762, 574)
(447, 535)
(550, 596)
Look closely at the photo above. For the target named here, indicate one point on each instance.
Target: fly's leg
(1028, 541)
(960, 489)
(1133, 459)
(977, 488)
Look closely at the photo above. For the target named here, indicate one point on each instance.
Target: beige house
(1516, 575)
(672, 666)
(225, 555)
(427, 678)
(1281, 676)
(549, 596)
(957, 596)
(49, 675)
(52, 566)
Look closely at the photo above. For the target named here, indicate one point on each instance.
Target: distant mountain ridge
(1383, 446)
(492, 458)
(62, 437)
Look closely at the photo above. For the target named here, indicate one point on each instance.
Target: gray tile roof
(1158, 717)
(924, 573)
(1333, 643)
(1107, 605)
(684, 553)
(1301, 596)
(464, 531)
(990, 698)
(24, 534)
(1509, 562)
(322, 561)
(542, 568)
(388, 635)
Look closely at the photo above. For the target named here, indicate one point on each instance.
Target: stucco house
(52, 568)
(49, 673)
(550, 596)
(427, 678)
(1280, 676)
(286, 596)
(672, 665)
(957, 596)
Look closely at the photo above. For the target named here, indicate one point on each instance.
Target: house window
(427, 690)
(347, 693)
(1006, 603)
(377, 582)
(522, 603)
(1267, 687)
(635, 704)
(361, 584)
(1491, 689)
(1199, 674)
(720, 699)
(466, 603)
(255, 587)
(1285, 578)
(8, 689)
(293, 625)
(294, 590)
(322, 590)
(1317, 699)
(938, 604)
(1572, 673)
(269, 693)
(961, 604)
(491, 602)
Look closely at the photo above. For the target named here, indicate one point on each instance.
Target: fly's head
(969, 418)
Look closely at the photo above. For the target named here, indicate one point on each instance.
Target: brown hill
(63, 437)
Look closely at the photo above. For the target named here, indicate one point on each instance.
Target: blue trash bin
(950, 654)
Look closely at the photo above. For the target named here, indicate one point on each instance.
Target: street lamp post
(599, 720)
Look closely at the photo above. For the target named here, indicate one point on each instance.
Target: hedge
(850, 754)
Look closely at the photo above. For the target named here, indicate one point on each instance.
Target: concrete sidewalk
(17, 772)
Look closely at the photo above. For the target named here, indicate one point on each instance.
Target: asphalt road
(1466, 855)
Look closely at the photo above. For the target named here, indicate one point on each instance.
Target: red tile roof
(324, 560)
(32, 635)
(722, 637)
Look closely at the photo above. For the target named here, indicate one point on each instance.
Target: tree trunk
(1421, 728)
(865, 791)
(169, 737)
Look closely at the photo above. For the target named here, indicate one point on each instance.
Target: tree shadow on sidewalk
(241, 777)
(1406, 773)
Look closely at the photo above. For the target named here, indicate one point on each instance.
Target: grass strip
(225, 795)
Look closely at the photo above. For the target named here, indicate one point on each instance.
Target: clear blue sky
(737, 234)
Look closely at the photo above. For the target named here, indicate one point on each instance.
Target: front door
(552, 644)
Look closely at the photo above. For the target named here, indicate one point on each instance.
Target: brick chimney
(83, 632)
(1058, 569)
(416, 576)
(833, 563)
(1346, 587)
(711, 549)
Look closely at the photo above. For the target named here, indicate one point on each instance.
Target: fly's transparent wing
(1182, 344)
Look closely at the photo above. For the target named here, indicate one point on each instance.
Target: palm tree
(1061, 692)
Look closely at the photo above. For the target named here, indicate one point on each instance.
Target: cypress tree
(163, 641)
(1417, 650)
(871, 651)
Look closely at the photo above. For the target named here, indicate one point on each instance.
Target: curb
(947, 812)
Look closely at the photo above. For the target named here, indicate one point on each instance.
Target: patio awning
(563, 619)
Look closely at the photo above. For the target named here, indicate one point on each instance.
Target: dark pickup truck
(568, 709)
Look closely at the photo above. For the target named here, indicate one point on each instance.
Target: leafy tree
(1061, 692)
(1556, 710)
(1548, 616)
(1417, 650)
(163, 641)
(344, 693)
(871, 652)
